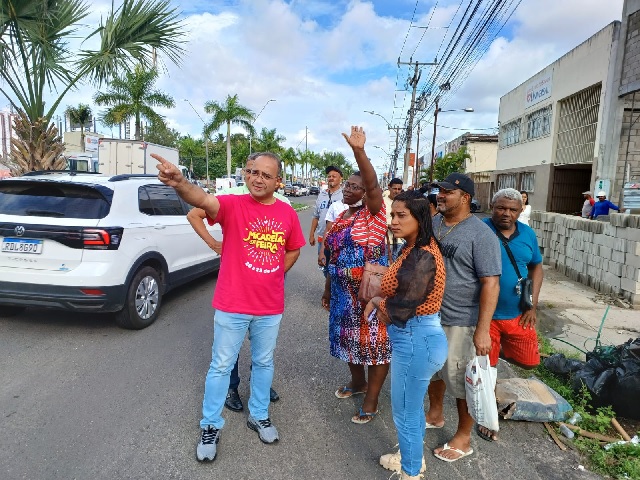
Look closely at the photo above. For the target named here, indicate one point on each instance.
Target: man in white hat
(587, 205)
(602, 206)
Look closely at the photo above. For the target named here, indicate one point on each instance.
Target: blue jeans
(229, 333)
(417, 352)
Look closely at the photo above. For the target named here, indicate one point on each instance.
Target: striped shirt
(369, 229)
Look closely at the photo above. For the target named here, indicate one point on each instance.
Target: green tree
(160, 133)
(35, 58)
(82, 115)
(231, 112)
(269, 141)
(133, 96)
(289, 159)
(452, 162)
(339, 160)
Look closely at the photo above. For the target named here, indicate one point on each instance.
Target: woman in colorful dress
(412, 291)
(357, 235)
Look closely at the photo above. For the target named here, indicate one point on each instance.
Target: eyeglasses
(351, 186)
(257, 173)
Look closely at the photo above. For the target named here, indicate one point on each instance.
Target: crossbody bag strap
(505, 244)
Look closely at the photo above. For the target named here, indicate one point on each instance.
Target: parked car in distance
(288, 189)
(314, 190)
(96, 243)
(475, 206)
(300, 189)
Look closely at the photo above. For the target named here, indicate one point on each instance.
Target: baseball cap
(601, 194)
(332, 168)
(457, 181)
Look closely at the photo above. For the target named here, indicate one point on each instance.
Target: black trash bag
(626, 397)
(612, 376)
(561, 365)
(599, 380)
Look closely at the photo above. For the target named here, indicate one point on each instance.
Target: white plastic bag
(480, 385)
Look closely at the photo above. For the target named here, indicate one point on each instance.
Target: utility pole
(416, 165)
(394, 163)
(433, 144)
(414, 84)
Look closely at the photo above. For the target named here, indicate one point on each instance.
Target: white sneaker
(391, 461)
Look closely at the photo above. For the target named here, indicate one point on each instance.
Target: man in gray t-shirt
(333, 193)
(472, 260)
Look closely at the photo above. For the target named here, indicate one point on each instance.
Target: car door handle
(158, 226)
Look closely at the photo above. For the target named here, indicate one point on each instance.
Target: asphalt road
(82, 399)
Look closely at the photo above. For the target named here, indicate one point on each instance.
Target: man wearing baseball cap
(602, 206)
(333, 193)
(473, 263)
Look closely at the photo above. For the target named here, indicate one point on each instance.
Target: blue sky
(326, 61)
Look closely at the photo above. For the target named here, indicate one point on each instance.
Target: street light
(371, 112)
(435, 124)
(206, 138)
(389, 127)
(256, 118)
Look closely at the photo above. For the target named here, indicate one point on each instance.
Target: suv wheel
(142, 304)
(11, 310)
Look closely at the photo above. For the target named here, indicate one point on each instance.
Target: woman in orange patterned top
(413, 288)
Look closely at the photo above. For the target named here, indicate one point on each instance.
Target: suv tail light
(101, 238)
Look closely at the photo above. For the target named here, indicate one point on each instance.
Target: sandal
(346, 392)
(363, 417)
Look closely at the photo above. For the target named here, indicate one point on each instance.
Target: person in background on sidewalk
(196, 217)
(602, 206)
(262, 241)
(357, 236)
(512, 328)
(587, 205)
(525, 215)
(325, 198)
(471, 254)
(395, 188)
(413, 288)
(333, 213)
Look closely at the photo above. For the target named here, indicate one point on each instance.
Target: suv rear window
(53, 199)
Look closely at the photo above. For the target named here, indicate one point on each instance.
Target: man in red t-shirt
(262, 240)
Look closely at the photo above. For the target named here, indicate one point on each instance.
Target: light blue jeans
(229, 333)
(417, 352)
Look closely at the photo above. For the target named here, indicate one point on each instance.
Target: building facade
(557, 126)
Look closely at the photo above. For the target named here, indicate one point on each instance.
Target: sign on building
(91, 143)
(538, 90)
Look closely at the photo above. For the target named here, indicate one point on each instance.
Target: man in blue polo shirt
(512, 328)
(602, 206)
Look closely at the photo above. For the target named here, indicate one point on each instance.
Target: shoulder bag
(524, 286)
(371, 284)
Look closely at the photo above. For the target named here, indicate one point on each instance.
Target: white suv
(93, 243)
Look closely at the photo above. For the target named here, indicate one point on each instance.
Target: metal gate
(577, 124)
(568, 185)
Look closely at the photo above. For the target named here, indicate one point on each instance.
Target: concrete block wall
(602, 255)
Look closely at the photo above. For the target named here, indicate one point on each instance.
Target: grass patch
(299, 206)
(620, 461)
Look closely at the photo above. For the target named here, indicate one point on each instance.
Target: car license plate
(21, 245)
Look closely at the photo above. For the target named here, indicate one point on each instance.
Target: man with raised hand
(262, 241)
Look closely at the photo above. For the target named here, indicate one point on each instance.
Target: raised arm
(373, 192)
(169, 174)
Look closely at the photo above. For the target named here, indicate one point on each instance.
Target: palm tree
(228, 113)
(270, 141)
(35, 54)
(133, 96)
(81, 115)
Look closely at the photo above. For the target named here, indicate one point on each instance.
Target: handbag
(371, 284)
(525, 284)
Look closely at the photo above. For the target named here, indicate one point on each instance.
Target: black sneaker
(233, 401)
(273, 396)
(207, 447)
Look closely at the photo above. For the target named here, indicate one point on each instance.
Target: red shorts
(517, 343)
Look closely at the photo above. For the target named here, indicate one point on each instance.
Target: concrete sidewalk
(571, 312)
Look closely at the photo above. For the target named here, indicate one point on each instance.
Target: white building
(558, 124)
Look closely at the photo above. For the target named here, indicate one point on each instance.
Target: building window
(506, 180)
(510, 133)
(527, 181)
(539, 123)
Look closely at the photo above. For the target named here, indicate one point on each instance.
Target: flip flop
(346, 392)
(453, 449)
(431, 425)
(363, 417)
(484, 436)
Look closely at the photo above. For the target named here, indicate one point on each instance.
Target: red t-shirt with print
(255, 240)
